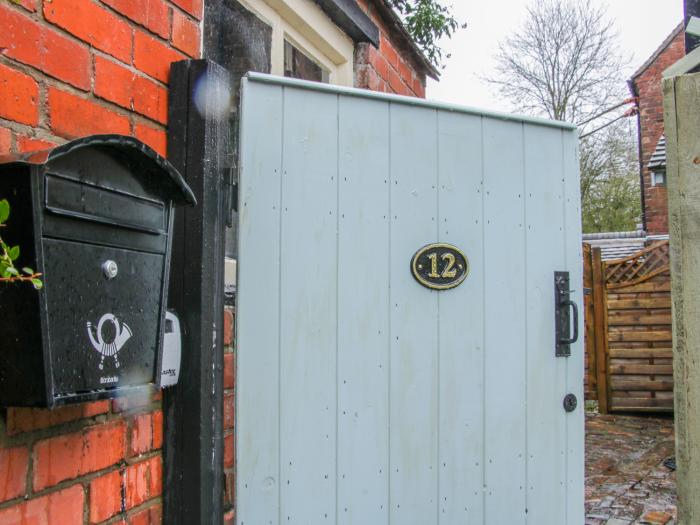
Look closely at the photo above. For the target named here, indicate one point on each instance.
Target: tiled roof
(616, 245)
(617, 248)
(658, 158)
(649, 61)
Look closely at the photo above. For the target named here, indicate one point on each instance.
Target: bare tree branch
(565, 64)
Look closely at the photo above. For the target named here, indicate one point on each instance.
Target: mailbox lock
(110, 269)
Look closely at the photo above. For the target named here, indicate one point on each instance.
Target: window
(298, 65)
(305, 43)
(658, 178)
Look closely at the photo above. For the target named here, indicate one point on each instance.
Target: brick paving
(626, 481)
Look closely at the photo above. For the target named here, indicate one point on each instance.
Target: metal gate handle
(574, 309)
(563, 308)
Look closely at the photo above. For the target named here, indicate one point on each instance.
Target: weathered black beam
(347, 15)
(198, 146)
(239, 41)
(691, 8)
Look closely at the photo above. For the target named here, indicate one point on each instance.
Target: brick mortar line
(49, 81)
(31, 437)
(137, 25)
(388, 85)
(168, 3)
(134, 24)
(25, 130)
(140, 119)
(385, 28)
(83, 480)
(152, 502)
(86, 504)
(190, 16)
(28, 69)
(39, 18)
(398, 73)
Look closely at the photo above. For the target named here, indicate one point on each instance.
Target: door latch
(570, 402)
(564, 322)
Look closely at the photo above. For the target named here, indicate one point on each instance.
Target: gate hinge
(231, 194)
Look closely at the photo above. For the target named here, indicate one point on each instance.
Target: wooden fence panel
(640, 378)
(631, 324)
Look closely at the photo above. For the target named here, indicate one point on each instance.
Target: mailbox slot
(87, 201)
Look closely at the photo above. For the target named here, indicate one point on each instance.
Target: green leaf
(11, 271)
(28, 270)
(4, 210)
(13, 252)
(38, 285)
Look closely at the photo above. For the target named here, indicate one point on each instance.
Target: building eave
(394, 21)
(348, 16)
(649, 61)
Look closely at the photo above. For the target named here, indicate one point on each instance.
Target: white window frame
(304, 25)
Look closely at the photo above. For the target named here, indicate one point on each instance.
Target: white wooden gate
(363, 397)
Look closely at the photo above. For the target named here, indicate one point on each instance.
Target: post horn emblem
(109, 349)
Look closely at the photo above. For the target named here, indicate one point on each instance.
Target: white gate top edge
(402, 99)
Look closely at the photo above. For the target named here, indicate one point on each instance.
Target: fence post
(198, 146)
(589, 318)
(682, 125)
(601, 331)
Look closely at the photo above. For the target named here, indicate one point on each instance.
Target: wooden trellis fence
(628, 330)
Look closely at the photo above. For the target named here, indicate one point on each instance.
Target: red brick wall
(390, 68)
(651, 124)
(82, 463)
(69, 68)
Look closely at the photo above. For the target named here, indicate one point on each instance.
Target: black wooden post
(691, 8)
(198, 146)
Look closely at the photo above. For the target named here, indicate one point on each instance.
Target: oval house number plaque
(439, 266)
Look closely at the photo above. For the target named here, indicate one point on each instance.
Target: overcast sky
(642, 26)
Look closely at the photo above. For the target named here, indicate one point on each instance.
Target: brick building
(70, 68)
(646, 85)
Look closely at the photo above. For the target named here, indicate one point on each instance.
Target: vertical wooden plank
(589, 322)
(546, 373)
(505, 387)
(601, 332)
(258, 336)
(574, 364)
(193, 410)
(363, 312)
(461, 344)
(682, 122)
(308, 298)
(413, 376)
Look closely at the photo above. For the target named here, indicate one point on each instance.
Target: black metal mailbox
(95, 217)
